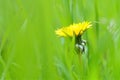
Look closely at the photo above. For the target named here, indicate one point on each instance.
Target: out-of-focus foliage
(30, 50)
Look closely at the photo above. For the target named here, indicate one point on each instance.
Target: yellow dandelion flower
(74, 29)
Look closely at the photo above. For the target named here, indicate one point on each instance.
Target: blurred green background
(30, 49)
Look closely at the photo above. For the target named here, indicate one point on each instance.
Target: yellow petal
(59, 32)
(85, 26)
(76, 28)
(68, 31)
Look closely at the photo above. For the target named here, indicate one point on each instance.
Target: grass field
(30, 49)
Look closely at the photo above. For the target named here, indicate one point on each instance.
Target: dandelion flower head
(74, 29)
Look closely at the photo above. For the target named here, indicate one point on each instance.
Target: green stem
(96, 17)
